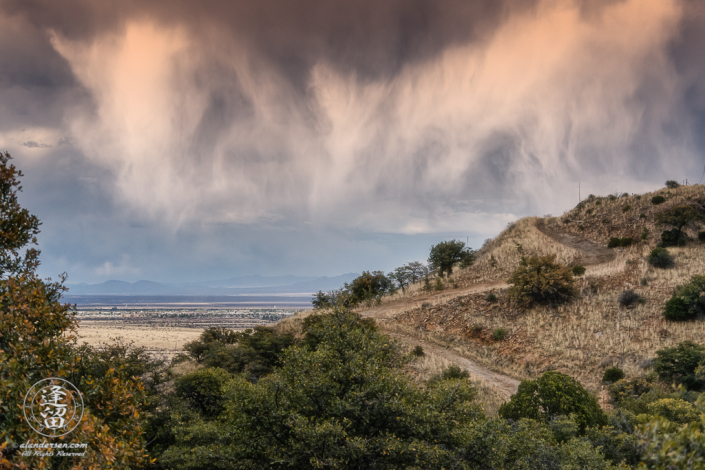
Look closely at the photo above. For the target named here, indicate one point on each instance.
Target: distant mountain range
(233, 286)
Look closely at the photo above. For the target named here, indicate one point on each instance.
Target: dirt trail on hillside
(402, 305)
(506, 386)
(592, 253)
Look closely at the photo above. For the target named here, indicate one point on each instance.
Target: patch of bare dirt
(505, 385)
(590, 253)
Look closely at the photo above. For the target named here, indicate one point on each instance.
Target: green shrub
(672, 184)
(701, 237)
(491, 297)
(597, 203)
(675, 410)
(439, 284)
(347, 404)
(540, 280)
(644, 233)
(688, 301)
(660, 258)
(673, 237)
(552, 395)
(613, 374)
(204, 390)
(418, 352)
(499, 334)
(629, 389)
(638, 197)
(454, 372)
(642, 216)
(644, 281)
(628, 298)
(627, 208)
(679, 364)
(612, 197)
(578, 270)
(620, 242)
(658, 200)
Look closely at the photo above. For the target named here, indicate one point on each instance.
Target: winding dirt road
(592, 254)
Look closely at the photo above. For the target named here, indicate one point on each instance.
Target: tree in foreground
(551, 395)
(444, 255)
(541, 280)
(340, 400)
(37, 341)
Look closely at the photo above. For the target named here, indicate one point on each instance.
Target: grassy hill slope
(581, 338)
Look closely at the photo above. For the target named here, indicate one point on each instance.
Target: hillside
(581, 338)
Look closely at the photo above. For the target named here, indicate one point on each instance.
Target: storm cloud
(302, 136)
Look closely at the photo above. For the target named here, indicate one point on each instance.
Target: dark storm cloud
(194, 125)
(368, 37)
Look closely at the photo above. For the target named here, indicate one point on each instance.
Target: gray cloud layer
(266, 136)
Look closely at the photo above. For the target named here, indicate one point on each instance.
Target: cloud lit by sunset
(182, 140)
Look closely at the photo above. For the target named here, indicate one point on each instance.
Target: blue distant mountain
(233, 286)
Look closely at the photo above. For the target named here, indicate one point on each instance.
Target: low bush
(672, 184)
(551, 395)
(673, 237)
(644, 281)
(678, 365)
(499, 334)
(629, 389)
(612, 197)
(644, 233)
(627, 208)
(418, 352)
(658, 200)
(578, 270)
(612, 375)
(642, 216)
(541, 280)
(660, 258)
(701, 237)
(628, 298)
(491, 297)
(688, 301)
(675, 410)
(616, 242)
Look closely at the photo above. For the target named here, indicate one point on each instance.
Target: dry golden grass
(588, 219)
(582, 338)
(498, 258)
(162, 342)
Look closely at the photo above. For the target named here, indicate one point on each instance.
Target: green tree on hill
(678, 217)
(551, 395)
(445, 254)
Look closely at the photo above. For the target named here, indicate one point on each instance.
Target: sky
(183, 141)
